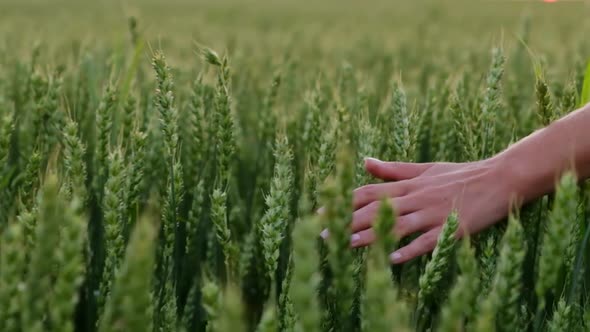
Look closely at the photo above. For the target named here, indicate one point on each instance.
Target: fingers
(375, 192)
(363, 238)
(394, 171)
(423, 244)
(363, 218)
(405, 225)
(420, 220)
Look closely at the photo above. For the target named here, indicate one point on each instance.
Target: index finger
(365, 195)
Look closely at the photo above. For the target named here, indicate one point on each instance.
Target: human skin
(482, 192)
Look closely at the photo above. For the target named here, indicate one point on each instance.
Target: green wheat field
(161, 163)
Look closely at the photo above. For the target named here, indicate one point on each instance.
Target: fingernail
(372, 159)
(354, 239)
(324, 234)
(320, 210)
(395, 257)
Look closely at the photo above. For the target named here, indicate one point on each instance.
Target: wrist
(523, 178)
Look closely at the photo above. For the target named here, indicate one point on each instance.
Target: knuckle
(405, 187)
(400, 188)
(374, 205)
(368, 237)
(408, 224)
(390, 167)
(401, 228)
(430, 238)
(397, 203)
(366, 191)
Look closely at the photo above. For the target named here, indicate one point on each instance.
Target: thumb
(394, 171)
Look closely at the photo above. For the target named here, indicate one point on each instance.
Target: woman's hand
(482, 192)
(423, 195)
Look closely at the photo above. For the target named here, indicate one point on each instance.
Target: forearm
(534, 163)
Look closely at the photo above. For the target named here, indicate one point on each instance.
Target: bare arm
(537, 160)
(482, 191)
